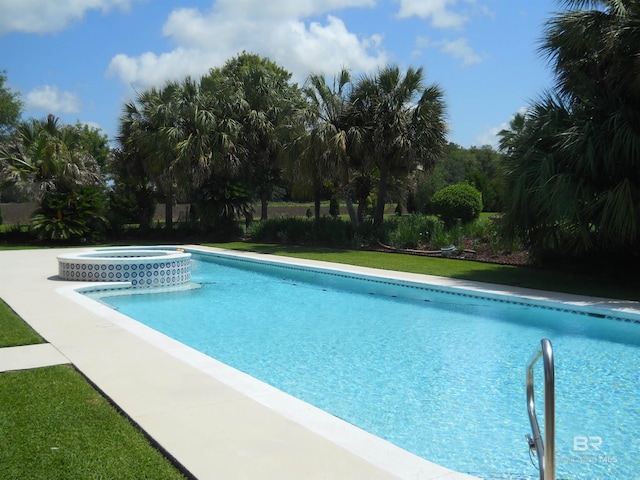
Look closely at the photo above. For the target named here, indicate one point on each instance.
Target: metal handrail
(545, 451)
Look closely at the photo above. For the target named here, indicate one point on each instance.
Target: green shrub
(77, 215)
(328, 231)
(281, 230)
(413, 231)
(133, 204)
(332, 231)
(459, 201)
(220, 201)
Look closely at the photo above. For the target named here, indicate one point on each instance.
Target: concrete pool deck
(213, 420)
(30, 356)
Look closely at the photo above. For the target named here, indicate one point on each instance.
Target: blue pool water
(438, 374)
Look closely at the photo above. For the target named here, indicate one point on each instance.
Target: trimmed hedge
(459, 201)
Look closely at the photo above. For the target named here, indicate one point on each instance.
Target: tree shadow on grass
(556, 281)
(578, 283)
(282, 249)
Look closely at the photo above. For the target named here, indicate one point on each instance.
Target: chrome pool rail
(544, 450)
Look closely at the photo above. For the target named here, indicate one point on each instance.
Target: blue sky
(82, 59)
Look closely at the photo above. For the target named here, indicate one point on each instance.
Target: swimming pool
(440, 374)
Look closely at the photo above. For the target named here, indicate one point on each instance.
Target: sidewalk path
(30, 356)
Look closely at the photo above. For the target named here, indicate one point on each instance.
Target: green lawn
(54, 425)
(558, 281)
(13, 331)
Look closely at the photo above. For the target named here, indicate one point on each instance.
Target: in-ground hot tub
(142, 267)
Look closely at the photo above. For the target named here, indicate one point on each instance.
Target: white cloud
(48, 16)
(461, 50)
(261, 9)
(458, 49)
(445, 14)
(50, 99)
(276, 30)
(490, 136)
(440, 12)
(150, 69)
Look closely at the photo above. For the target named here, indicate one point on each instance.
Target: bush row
(403, 232)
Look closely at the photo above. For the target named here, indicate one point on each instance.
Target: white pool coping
(214, 420)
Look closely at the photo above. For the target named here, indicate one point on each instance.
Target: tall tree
(132, 195)
(10, 108)
(323, 145)
(95, 142)
(180, 132)
(267, 101)
(574, 177)
(403, 125)
(141, 140)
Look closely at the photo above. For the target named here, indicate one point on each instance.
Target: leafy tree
(95, 142)
(334, 206)
(488, 177)
(267, 100)
(456, 163)
(480, 166)
(50, 160)
(573, 177)
(10, 108)
(143, 132)
(402, 124)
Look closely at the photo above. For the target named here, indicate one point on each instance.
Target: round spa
(142, 267)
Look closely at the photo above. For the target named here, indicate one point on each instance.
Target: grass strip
(13, 330)
(54, 425)
(516, 276)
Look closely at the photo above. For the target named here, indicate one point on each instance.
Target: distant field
(19, 213)
(16, 213)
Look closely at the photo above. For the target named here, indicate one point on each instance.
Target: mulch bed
(472, 251)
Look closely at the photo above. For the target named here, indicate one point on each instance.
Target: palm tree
(402, 124)
(266, 102)
(141, 140)
(45, 156)
(534, 209)
(181, 133)
(574, 178)
(51, 161)
(323, 145)
(593, 48)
